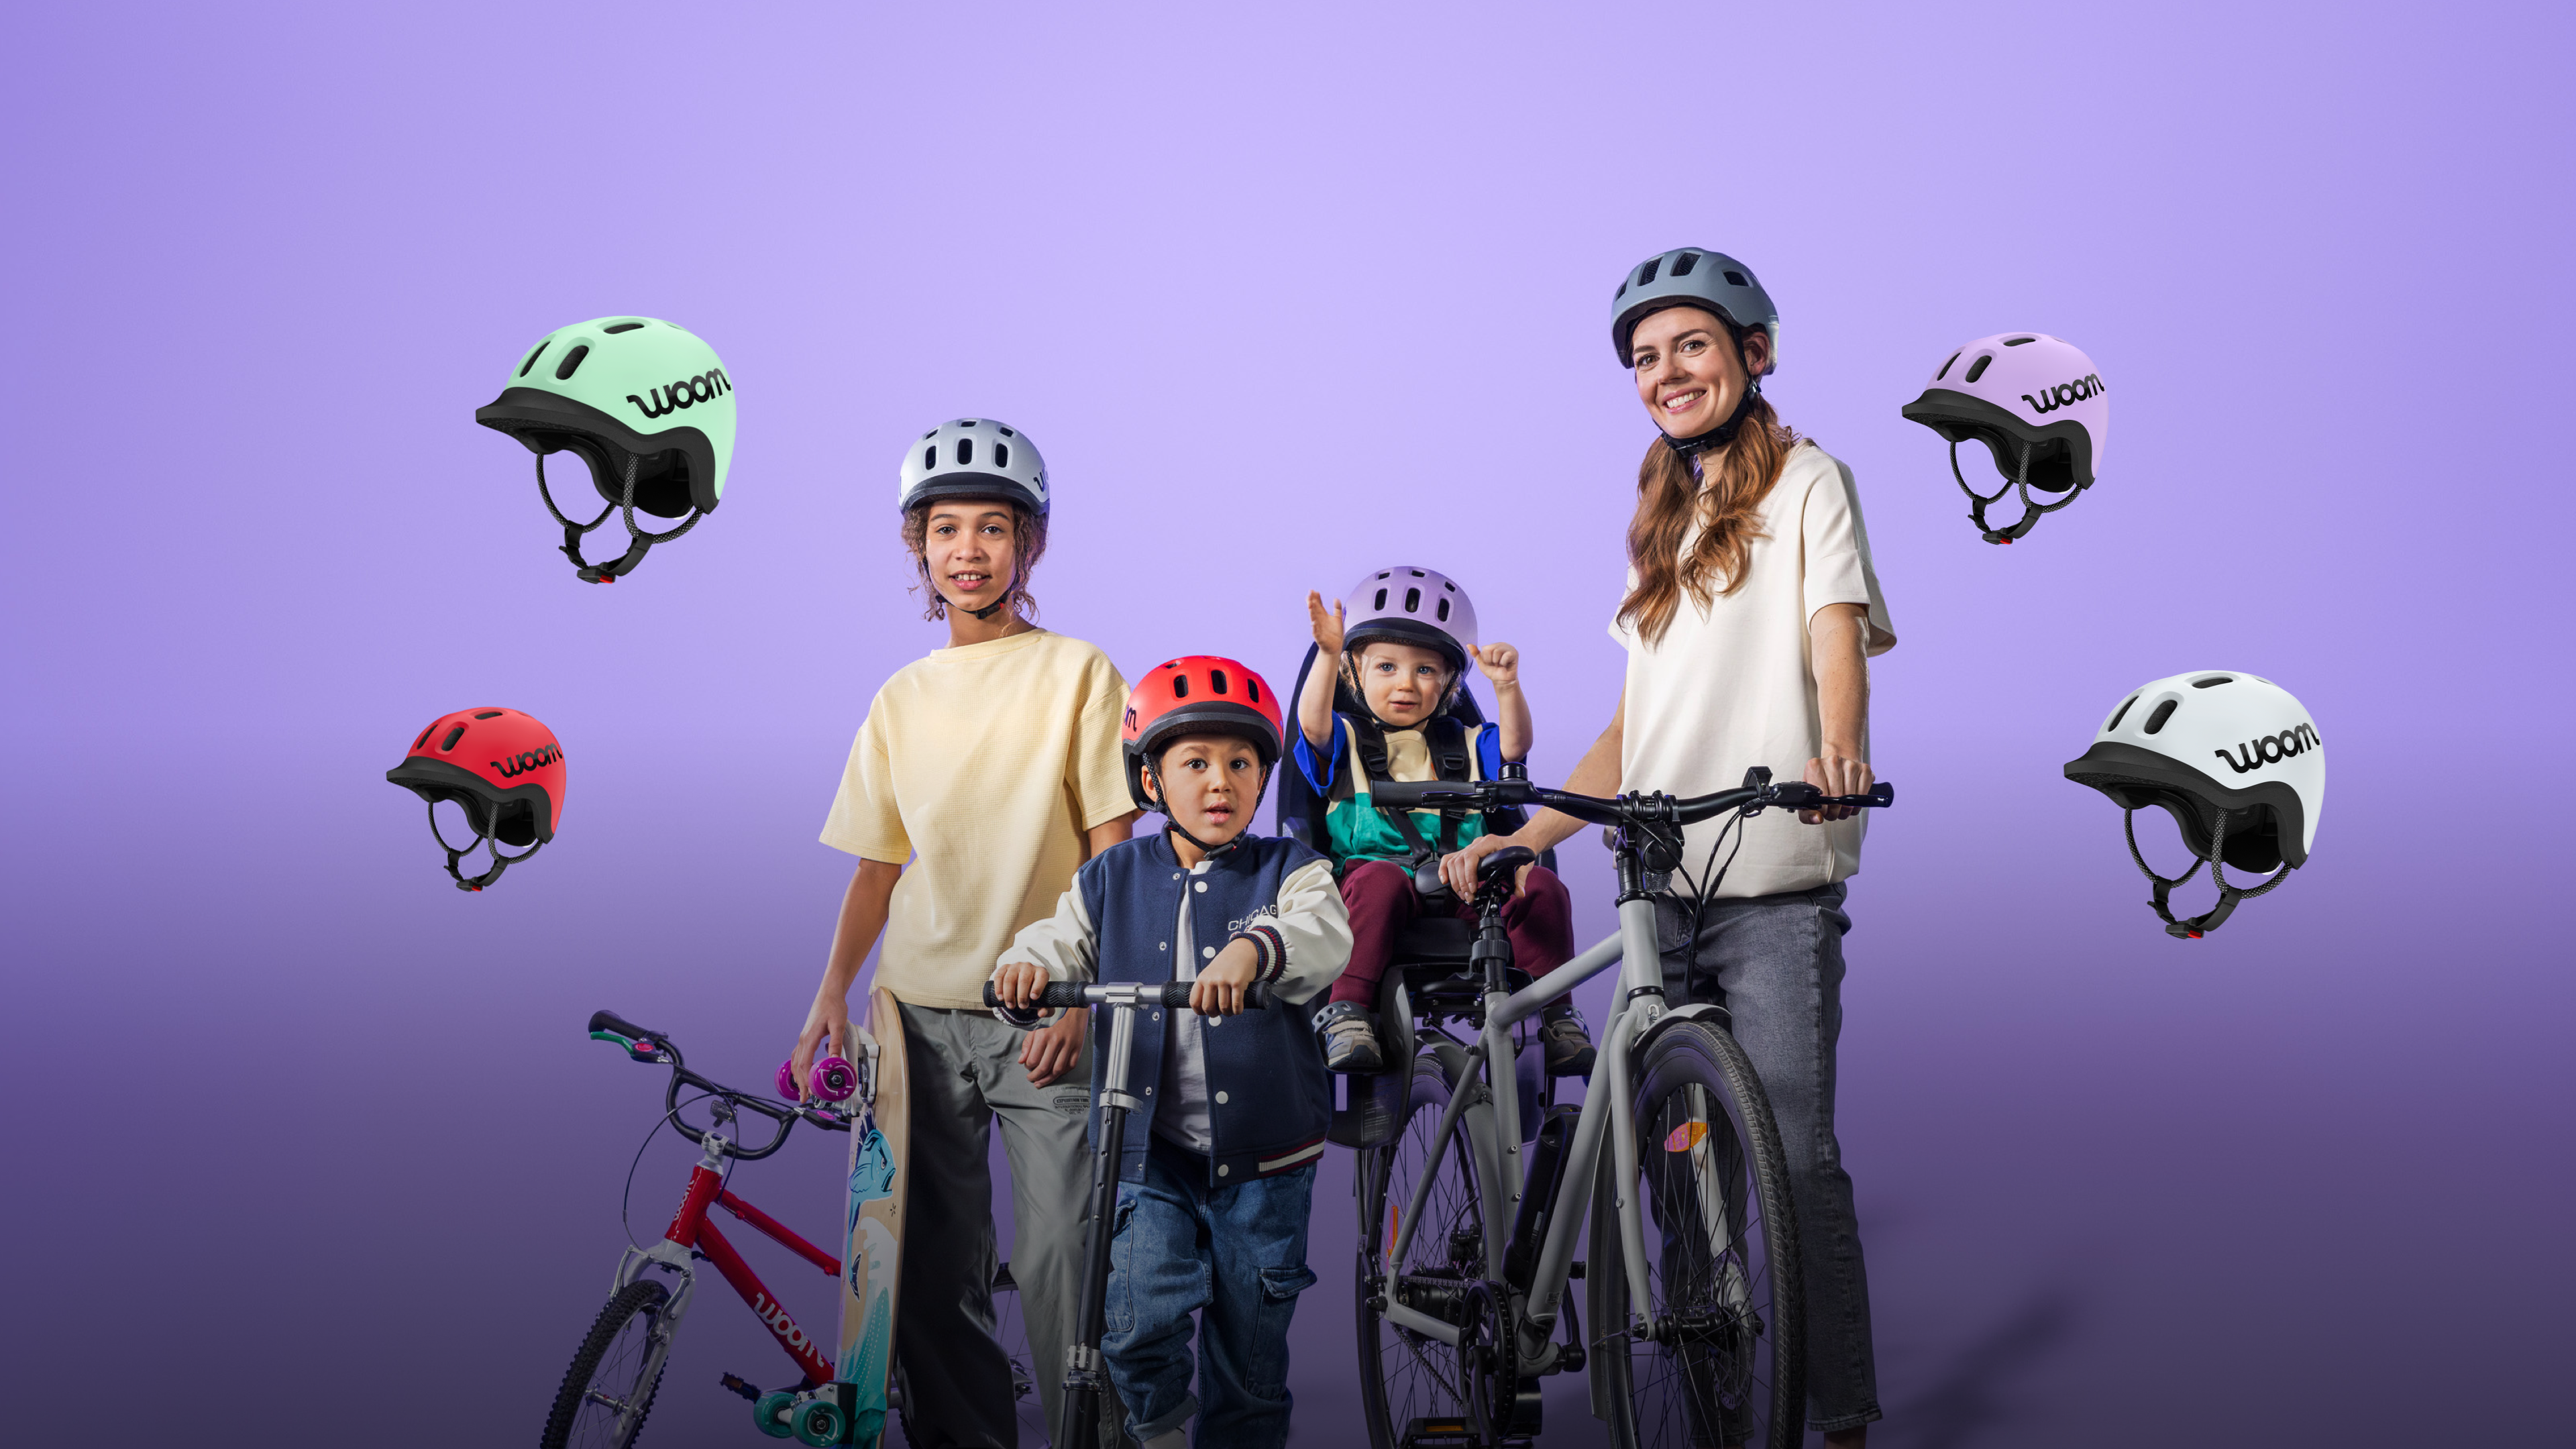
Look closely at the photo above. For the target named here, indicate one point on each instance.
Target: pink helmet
(2037, 405)
(1408, 605)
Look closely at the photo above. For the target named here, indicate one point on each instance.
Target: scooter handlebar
(1126, 993)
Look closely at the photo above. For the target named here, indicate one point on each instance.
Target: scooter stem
(1085, 1381)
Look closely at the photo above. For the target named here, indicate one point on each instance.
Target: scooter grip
(1175, 993)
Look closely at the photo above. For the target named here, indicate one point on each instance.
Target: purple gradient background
(308, 1140)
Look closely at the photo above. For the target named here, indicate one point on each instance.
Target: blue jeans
(1236, 1256)
(1776, 964)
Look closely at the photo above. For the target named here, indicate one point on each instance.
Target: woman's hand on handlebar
(1838, 771)
(1218, 991)
(1050, 1051)
(1458, 868)
(826, 1032)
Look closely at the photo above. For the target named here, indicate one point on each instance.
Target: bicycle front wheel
(1716, 1355)
(614, 1375)
(1413, 1387)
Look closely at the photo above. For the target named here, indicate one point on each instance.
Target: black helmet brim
(516, 816)
(676, 468)
(2267, 824)
(2061, 453)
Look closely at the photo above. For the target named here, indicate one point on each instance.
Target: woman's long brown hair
(1670, 496)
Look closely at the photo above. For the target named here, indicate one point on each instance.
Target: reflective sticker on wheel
(1686, 1136)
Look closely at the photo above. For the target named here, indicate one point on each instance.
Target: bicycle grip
(611, 1021)
(1419, 794)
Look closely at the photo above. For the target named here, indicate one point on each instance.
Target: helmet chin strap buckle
(989, 610)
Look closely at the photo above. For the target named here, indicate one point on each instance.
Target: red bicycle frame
(691, 1229)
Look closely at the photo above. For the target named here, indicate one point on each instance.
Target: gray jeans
(956, 1380)
(1776, 964)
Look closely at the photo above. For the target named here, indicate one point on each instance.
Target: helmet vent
(1646, 273)
(967, 422)
(2018, 341)
(1252, 687)
(1001, 455)
(965, 451)
(621, 327)
(1216, 680)
(1683, 264)
(453, 736)
(2163, 712)
(2214, 679)
(1417, 573)
(1734, 278)
(1381, 598)
(1005, 432)
(1945, 367)
(1180, 686)
(488, 714)
(424, 738)
(1977, 369)
(930, 458)
(2119, 714)
(1443, 611)
(1413, 601)
(533, 356)
(572, 360)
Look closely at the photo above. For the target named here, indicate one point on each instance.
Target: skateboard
(871, 1281)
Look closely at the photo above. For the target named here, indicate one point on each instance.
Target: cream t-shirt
(983, 766)
(1733, 684)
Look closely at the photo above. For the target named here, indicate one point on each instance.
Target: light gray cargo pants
(956, 1380)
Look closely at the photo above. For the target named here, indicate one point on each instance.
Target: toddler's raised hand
(1327, 626)
(1500, 663)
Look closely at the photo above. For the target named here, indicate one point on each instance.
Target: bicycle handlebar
(1126, 993)
(1634, 808)
(654, 1049)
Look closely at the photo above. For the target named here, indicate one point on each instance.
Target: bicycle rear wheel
(1717, 1353)
(614, 1374)
(1412, 1386)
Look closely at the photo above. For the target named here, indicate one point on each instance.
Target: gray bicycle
(1470, 1213)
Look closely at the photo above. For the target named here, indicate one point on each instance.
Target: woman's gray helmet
(974, 458)
(1693, 277)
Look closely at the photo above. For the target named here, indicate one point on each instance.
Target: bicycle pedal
(734, 1383)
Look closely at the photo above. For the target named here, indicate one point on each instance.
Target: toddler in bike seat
(1385, 699)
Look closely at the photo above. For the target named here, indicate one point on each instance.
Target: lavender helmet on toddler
(1406, 605)
(2037, 405)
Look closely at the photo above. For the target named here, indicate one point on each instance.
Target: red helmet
(503, 767)
(1196, 694)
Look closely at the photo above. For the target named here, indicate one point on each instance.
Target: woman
(994, 768)
(1750, 614)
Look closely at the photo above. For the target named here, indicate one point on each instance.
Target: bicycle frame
(692, 1235)
(1607, 1107)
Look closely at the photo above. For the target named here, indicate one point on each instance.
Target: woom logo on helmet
(687, 392)
(2064, 393)
(2254, 754)
(526, 760)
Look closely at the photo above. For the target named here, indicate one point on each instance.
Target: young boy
(1401, 642)
(1219, 1168)
(982, 776)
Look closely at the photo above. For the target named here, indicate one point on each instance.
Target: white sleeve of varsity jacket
(1307, 941)
(1064, 945)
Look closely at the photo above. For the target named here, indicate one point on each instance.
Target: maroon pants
(1381, 898)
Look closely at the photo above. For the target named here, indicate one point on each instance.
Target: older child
(982, 776)
(1214, 1193)
(1401, 643)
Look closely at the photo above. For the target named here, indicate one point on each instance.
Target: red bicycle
(610, 1386)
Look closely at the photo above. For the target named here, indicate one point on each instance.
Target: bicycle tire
(1403, 1376)
(608, 1349)
(1729, 1303)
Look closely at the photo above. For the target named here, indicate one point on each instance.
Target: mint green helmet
(645, 404)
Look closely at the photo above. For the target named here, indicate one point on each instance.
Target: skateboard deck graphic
(871, 1283)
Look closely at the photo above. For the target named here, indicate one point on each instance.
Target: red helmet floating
(1196, 694)
(503, 768)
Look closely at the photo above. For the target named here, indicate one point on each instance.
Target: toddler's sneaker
(1569, 1044)
(1350, 1039)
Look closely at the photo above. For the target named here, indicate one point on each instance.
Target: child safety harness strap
(1446, 738)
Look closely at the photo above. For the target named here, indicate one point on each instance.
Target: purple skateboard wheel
(835, 1079)
(787, 1081)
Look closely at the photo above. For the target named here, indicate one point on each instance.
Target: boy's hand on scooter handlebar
(1218, 991)
(1050, 1051)
(1327, 627)
(1019, 983)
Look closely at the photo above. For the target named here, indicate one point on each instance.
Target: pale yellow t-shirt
(983, 766)
(1733, 683)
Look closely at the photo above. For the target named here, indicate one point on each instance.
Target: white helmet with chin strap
(974, 458)
(2234, 759)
